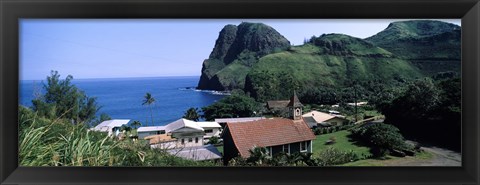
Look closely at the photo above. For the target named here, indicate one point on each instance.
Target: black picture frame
(13, 10)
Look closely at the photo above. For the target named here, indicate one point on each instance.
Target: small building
(275, 134)
(188, 133)
(210, 128)
(112, 127)
(322, 119)
(150, 131)
(198, 153)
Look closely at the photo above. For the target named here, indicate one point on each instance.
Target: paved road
(441, 157)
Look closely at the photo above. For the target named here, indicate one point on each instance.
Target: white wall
(189, 144)
(165, 145)
(215, 132)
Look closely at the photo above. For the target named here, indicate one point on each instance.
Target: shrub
(382, 137)
(332, 156)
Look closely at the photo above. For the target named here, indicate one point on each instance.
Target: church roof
(268, 132)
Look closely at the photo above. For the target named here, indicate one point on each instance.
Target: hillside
(432, 46)
(332, 60)
(256, 58)
(236, 50)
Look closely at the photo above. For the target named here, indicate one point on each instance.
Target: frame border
(13, 10)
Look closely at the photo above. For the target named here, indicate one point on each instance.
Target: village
(227, 138)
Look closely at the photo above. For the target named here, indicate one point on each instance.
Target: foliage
(382, 137)
(332, 156)
(192, 114)
(427, 106)
(46, 142)
(136, 124)
(235, 105)
(62, 99)
(214, 140)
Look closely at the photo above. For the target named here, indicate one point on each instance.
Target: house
(143, 132)
(198, 153)
(112, 127)
(211, 129)
(322, 119)
(276, 134)
(224, 121)
(188, 133)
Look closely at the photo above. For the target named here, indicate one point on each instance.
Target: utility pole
(355, 101)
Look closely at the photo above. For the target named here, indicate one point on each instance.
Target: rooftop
(321, 116)
(235, 120)
(150, 129)
(200, 153)
(154, 139)
(208, 124)
(109, 124)
(268, 132)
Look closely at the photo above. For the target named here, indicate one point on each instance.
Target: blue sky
(150, 47)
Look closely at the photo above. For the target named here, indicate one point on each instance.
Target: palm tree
(136, 124)
(192, 114)
(149, 100)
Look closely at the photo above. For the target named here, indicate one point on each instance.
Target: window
(183, 141)
(161, 132)
(209, 131)
(269, 151)
(286, 148)
(303, 146)
(196, 140)
(190, 140)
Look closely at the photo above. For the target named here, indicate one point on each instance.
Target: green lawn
(392, 161)
(342, 143)
(220, 149)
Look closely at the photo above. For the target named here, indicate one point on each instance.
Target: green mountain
(332, 60)
(432, 46)
(259, 60)
(236, 50)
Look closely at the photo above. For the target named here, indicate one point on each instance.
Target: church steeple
(295, 107)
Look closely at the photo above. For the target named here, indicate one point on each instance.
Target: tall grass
(45, 142)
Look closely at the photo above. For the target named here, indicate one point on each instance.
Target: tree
(62, 99)
(382, 136)
(136, 124)
(149, 100)
(192, 114)
(233, 106)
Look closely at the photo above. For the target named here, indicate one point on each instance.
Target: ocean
(122, 98)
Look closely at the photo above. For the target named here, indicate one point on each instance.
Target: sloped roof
(200, 153)
(181, 123)
(109, 124)
(154, 139)
(294, 102)
(268, 132)
(208, 124)
(150, 128)
(236, 120)
(278, 103)
(320, 117)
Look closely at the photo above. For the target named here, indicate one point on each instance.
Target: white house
(188, 133)
(112, 127)
(149, 131)
(211, 128)
(322, 119)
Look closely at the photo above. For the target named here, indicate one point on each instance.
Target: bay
(122, 98)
